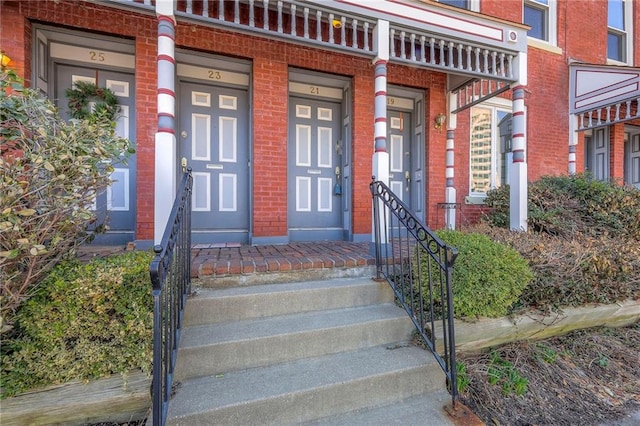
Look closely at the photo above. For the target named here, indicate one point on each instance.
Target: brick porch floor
(233, 259)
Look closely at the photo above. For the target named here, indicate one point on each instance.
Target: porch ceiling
(422, 34)
(601, 95)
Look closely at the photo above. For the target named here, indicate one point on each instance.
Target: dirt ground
(587, 378)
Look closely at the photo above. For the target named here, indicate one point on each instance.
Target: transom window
(490, 146)
(540, 15)
(618, 26)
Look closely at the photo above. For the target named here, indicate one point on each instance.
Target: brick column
(616, 152)
(518, 171)
(270, 117)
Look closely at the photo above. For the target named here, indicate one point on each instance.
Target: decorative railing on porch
(342, 27)
(170, 272)
(419, 267)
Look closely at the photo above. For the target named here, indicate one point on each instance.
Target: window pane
(537, 20)
(480, 160)
(616, 14)
(505, 132)
(615, 50)
(463, 4)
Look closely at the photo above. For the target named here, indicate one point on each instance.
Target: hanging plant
(86, 101)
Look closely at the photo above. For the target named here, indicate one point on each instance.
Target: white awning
(602, 95)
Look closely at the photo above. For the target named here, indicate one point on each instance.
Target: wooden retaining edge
(489, 332)
(113, 399)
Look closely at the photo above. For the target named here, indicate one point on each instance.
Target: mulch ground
(588, 377)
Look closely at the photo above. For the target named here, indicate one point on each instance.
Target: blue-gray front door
(214, 139)
(119, 201)
(314, 172)
(632, 158)
(400, 155)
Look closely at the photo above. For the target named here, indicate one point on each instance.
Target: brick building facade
(277, 112)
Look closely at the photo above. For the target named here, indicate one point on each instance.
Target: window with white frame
(490, 146)
(473, 5)
(619, 23)
(541, 16)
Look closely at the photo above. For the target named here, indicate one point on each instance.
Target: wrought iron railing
(419, 266)
(170, 272)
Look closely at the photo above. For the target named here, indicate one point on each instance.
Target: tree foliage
(50, 173)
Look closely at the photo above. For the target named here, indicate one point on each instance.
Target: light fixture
(336, 23)
(4, 59)
(439, 121)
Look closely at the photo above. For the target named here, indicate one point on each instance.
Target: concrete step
(209, 306)
(206, 350)
(308, 389)
(421, 410)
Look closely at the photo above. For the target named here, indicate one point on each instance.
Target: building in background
(285, 109)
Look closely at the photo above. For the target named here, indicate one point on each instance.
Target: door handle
(184, 164)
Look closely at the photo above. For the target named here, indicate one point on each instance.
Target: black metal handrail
(170, 272)
(419, 266)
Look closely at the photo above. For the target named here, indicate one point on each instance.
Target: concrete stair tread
(218, 306)
(203, 292)
(418, 410)
(304, 376)
(203, 335)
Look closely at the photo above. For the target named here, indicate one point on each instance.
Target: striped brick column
(573, 142)
(165, 138)
(518, 168)
(380, 166)
(450, 190)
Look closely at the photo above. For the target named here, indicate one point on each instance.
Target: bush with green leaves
(488, 277)
(50, 173)
(566, 205)
(85, 321)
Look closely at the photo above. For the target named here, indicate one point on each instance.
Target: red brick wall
(15, 31)
(616, 153)
(271, 60)
(546, 98)
(509, 10)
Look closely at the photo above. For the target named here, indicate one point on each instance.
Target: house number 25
(96, 56)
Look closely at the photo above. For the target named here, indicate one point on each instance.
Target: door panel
(400, 167)
(632, 165)
(118, 202)
(214, 138)
(314, 169)
(596, 156)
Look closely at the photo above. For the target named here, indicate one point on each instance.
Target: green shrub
(50, 173)
(566, 205)
(85, 321)
(488, 277)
